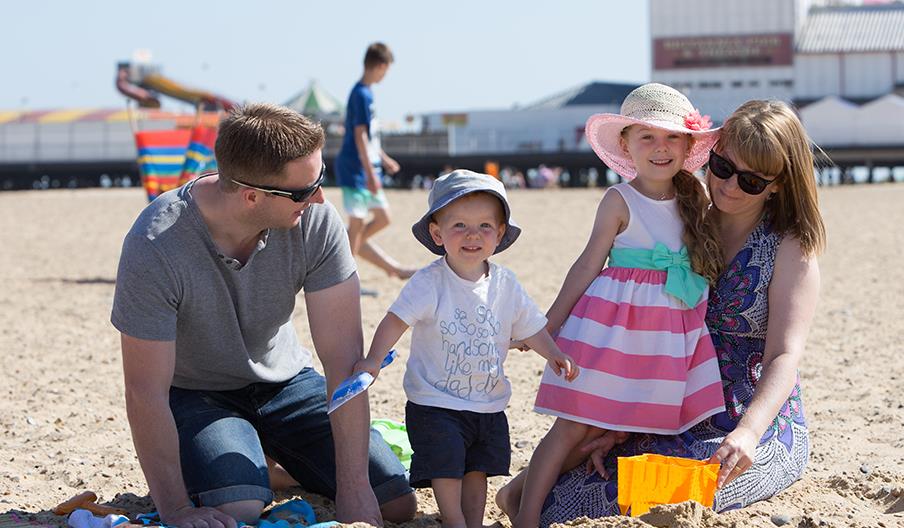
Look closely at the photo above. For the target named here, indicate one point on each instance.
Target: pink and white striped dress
(646, 358)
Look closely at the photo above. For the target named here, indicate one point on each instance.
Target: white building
(721, 53)
(849, 75)
(840, 61)
(853, 52)
(554, 124)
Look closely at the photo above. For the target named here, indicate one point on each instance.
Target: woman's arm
(611, 219)
(793, 294)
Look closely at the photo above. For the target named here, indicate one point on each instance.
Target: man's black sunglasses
(301, 195)
(724, 169)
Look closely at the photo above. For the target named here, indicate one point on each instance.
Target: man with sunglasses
(217, 381)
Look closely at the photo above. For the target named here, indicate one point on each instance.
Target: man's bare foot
(507, 502)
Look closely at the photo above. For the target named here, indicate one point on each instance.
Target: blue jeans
(223, 436)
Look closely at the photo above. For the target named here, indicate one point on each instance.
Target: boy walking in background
(360, 165)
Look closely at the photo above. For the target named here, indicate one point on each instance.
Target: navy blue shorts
(223, 436)
(448, 443)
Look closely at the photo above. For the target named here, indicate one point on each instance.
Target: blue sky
(450, 56)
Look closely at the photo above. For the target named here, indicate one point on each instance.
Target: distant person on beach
(216, 380)
(630, 311)
(361, 163)
(464, 311)
(764, 208)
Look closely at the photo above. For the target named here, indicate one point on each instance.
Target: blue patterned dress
(737, 317)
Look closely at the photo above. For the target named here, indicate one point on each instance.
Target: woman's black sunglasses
(301, 195)
(724, 169)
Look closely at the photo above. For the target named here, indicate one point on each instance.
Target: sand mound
(63, 427)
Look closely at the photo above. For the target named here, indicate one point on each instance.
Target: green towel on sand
(396, 435)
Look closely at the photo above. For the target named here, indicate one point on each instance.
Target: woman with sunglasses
(764, 206)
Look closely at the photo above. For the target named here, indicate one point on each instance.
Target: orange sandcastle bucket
(648, 480)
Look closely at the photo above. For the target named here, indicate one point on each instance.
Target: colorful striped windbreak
(199, 156)
(161, 155)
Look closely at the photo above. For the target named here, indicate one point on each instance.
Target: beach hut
(824, 121)
(881, 121)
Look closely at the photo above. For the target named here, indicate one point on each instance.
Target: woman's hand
(736, 454)
(599, 448)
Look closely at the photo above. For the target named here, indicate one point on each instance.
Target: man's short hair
(377, 54)
(257, 140)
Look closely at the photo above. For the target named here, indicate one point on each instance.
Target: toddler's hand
(371, 366)
(519, 345)
(560, 362)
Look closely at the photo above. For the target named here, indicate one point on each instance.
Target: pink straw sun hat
(655, 105)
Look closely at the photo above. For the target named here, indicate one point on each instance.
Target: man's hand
(191, 517)
(358, 504)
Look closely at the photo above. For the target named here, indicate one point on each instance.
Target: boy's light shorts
(358, 202)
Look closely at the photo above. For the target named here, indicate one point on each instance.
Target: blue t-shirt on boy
(358, 111)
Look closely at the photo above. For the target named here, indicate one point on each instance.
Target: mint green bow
(681, 281)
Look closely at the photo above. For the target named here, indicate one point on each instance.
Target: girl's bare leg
(545, 467)
(508, 498)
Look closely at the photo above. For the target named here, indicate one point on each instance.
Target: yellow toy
(648, 480)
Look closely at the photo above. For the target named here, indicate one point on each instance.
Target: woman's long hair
(768, 136)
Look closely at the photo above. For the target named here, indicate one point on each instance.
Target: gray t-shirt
(232, 323)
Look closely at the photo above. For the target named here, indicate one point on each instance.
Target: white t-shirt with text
(460, 336)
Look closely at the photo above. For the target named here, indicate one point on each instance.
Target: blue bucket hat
(452, 186)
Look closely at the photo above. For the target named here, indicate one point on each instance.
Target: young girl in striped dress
(636, 327)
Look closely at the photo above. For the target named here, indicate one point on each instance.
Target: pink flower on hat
(694, 121)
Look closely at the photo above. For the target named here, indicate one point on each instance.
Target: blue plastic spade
(355, 385)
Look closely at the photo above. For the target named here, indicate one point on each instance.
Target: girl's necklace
(668, 195)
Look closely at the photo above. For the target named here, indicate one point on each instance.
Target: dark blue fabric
(223, 436)
(358, 111)
(449, 443)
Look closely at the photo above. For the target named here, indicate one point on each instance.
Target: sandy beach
(62, 410)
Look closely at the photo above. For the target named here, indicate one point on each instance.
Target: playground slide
(144, 97)
(166, 86)
(144, 90)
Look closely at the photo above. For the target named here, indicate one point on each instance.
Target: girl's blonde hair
(768, 136)
(700, 236)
